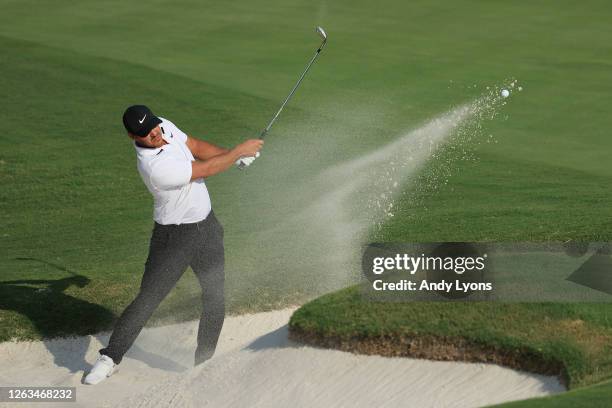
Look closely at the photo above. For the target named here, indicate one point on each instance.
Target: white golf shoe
(102, 369)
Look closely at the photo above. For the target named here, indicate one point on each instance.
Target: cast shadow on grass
(65, 321)
(55, 314)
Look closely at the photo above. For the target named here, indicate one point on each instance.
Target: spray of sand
(359, 194)
(352, 198)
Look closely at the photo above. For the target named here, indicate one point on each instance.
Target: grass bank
(572, 341)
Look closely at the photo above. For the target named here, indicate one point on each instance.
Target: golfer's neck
(150, 147)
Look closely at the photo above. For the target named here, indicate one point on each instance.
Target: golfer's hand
(248, 151)
(246, 161)
(249, 148)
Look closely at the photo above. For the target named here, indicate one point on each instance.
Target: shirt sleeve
(170, 174)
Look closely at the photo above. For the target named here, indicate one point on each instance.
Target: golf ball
(505, 93)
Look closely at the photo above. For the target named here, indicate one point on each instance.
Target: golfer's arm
(203, 150)
(214, 165)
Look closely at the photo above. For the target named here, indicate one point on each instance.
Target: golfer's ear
(131, 136)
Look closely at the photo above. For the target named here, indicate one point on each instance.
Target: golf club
(262, 135)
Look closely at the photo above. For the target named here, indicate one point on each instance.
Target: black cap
(139, 120)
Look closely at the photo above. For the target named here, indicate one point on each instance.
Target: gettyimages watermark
(472, 271)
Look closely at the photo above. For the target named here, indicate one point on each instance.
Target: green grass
(587, 397)
(76, 218)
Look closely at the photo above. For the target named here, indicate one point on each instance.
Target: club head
(321, 33)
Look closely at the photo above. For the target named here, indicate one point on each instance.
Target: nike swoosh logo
(142, 120)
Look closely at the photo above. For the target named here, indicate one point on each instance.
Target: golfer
(186, 232)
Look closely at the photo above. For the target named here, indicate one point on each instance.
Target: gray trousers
(173, 248)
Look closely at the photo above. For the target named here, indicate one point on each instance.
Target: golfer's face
(153, 139)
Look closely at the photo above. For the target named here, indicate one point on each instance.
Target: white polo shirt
(166, 171)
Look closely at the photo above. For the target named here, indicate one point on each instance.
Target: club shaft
(265, 131)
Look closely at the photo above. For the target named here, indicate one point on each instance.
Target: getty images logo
(423, 262)
(425, 271)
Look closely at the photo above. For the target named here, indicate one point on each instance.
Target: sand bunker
(257, 366)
